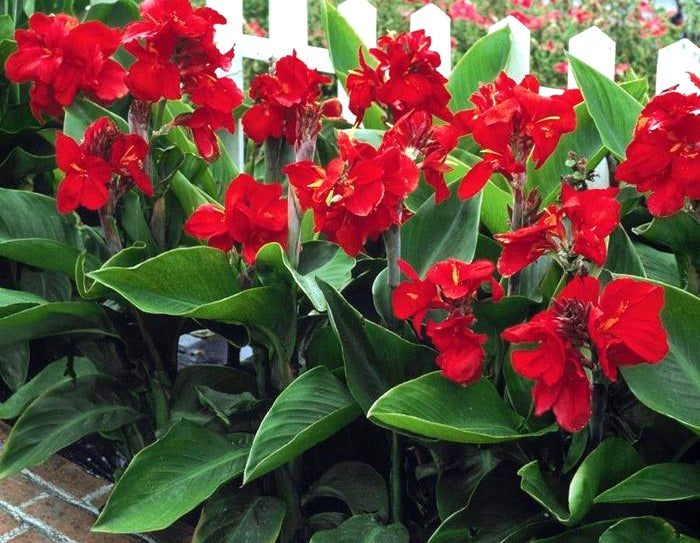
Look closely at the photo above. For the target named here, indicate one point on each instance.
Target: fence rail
(288, 24)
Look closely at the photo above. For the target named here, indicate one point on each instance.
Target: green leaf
(611, 462)
(434, 407)
(613, 110)
(64, 414)
(375, 358)
(82, 113)
(679, 232)
(52, 319)
(133, 221)
(186, 402)
(496, 510)
(55, 373)
(311, 409)
(224, 404)
(363, 529)
(356, 484)
(92, 290)
(35, 234)
(20, 162)
(14, 364)
(660, 266)
(480, 64)
(317, 260)
(234, 515)
(582, 534)
(189, 195)
(12, 301)
(171, 477)
(622, 256)
(643, 530)
(656, 483)
(494, 208)
(437, 232)
(198, 282)
(672, 387)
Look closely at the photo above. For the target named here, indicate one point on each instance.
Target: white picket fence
(288, 23)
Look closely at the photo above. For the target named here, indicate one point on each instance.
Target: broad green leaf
(20, 162)
(171, 477)
(659, 482)
(584, 141)
(312, 408)
(12, 301)
(318, 259)
(455, 486)
(581, 534)
(611, 462)
(189, 195)
(375, 358)
(496, 510)
(224, 404)
(679, 232)
(672, 386)
(35, 234)
(239, 515)
(51, 286)
(186, 402)
(90, 289)
(363, 529)
(613, 110)
(51, 319)
(494, 208)
(493, 318)
(659, 265)
(198, 282)
(14, 364)
(133, 221)
(64, 414)
(82, 113)
(54, 374)
(622, 256)
(356, 484)
(437, 232)
(643, 530)
(432, 406)
(481, 64)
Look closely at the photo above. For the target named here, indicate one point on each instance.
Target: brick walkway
(58, 502)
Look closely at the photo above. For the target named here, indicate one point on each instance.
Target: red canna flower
(254, 214)
(664, 155)
(405, 79)
(452, 287)
(512, 122)
(286, 103)
(587, 329)
(85, 182)
(175, 55)
(104, 166)
(358, 195)
(592, 215)
(62, 57)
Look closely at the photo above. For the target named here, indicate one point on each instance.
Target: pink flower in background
(653, 27)
(621, 68)
(255, 28)
(561, 67)
(581, 15)
(466, 11)
(549, 45)
(533, 23)
(522, 3)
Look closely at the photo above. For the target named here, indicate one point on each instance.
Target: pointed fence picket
(288, 30)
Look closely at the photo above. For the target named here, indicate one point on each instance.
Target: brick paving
(57, 502)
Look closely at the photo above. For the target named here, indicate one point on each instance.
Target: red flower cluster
(511, 121)
(358, 195)
(592, 216)
(106, 163)
(619, 327)
(450, 286)
(254, 214)
(175, 54)
(286, 103)
(416, 136)
(62, 57)
(405, 79)
(664, 155)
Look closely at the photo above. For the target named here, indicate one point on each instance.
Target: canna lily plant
(438, 328)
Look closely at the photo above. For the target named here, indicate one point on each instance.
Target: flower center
(572, 321)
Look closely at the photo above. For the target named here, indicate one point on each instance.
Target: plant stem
(396, 479)
(392, 243)
(516, 222)
(109, 227)
(274, 159)
(599, 400)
